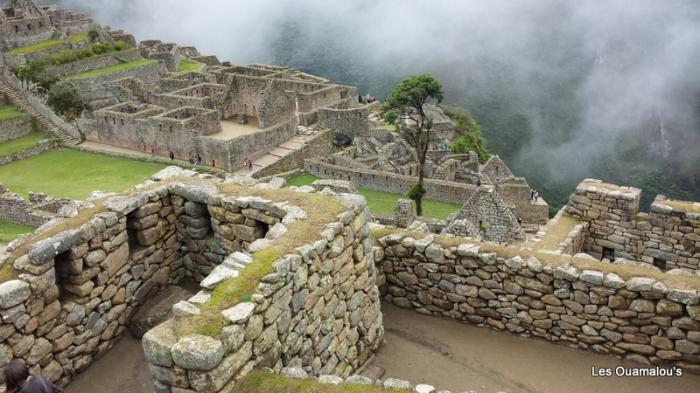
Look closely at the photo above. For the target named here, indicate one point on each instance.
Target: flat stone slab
(240, 312)
(374, 373)
(217, 275)
(266, 160)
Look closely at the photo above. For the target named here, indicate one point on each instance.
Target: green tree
(65, 100)
(407, 102)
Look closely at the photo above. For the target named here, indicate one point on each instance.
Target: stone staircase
(45, 124)
(282, 150)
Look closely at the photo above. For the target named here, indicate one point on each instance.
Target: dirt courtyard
(459, 357)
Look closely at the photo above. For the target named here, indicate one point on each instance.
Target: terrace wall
(93, 63)
(382, 181)
(641, 319)
(15, 128)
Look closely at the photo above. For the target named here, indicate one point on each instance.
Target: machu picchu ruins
(190, 224)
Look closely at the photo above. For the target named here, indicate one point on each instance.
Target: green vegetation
(470, 138)
(24, 50)
(407, 100)
(48, 44)
(188, 65)
(112, 69)
(74, 174)
(28, 141)
(8, 112)
(384, 202)
(77, 37)
(258, 381)
(9, 231)
(65, 100)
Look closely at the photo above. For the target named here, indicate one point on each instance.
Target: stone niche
(76, 291)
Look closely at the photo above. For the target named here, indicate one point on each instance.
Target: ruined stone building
(24, 22)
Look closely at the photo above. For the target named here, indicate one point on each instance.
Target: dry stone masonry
(640, 318)
(76, 290)
(668, 237)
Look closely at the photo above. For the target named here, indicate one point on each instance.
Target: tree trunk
(419, 200)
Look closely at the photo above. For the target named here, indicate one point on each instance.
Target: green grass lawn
(189, 65)
(112, 69)
(78, 37)
(8, 112)
(24, 50)
(74, 174)
(9, 231)
(384, 202)
(17, 145)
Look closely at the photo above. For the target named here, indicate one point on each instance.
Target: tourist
(190, 158)
(245, 163)
(171, 155)
(532, 194)
(199, 159)
(250, 166)
(152, 150)
(18, 380)
(537, 196)
(213, 163)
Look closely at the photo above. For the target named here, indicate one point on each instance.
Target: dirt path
(123, 369)
(459, 357)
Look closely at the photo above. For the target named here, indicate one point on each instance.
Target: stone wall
(640, 318)
(40, 147)
(348, 122)
(15, 128)
(318, 309)
(669, 236)
(14, 208)
(79, 281)
(383, 181)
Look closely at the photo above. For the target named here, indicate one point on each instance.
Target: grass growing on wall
(384, 202)
(78, 37)
(23, 143)
(74, 174)
(187, 65)
(320, 210)
(8, 112)
(258, 381)
(9, 231)
(111, 69)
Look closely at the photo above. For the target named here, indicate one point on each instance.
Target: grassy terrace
(26, 142)
(8, 112)
(271, 383)
(9, 231)
(112, 69)
(74, 174)
(384, 202)
(188, 65)
(43, 45)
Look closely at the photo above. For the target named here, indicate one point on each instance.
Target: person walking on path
(18, 380)
(171, 155)
(250, 166)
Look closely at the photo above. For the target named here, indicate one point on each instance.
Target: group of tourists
(534, 195)
(248, 164)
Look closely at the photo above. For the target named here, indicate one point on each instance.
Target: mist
(563, 90)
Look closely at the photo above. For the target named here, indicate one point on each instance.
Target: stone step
(280, 152)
